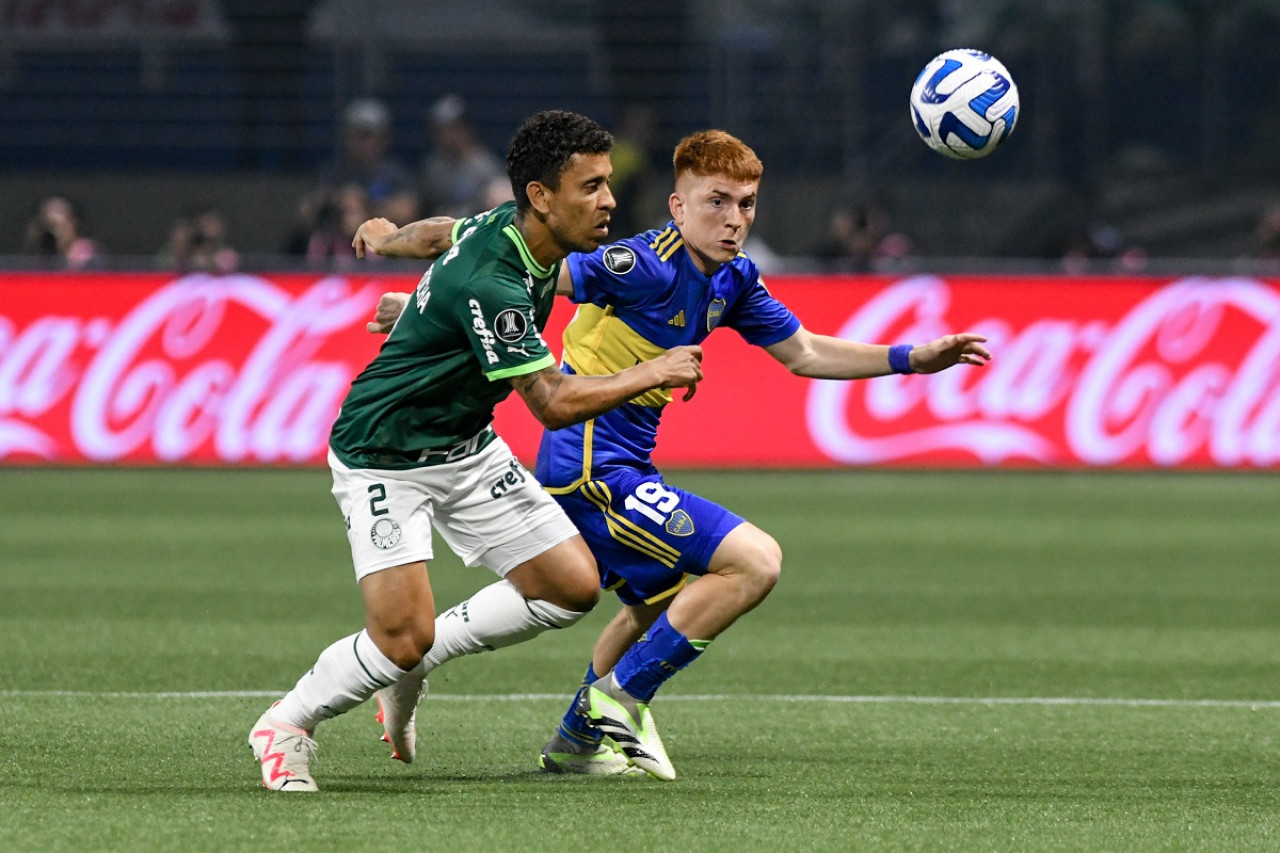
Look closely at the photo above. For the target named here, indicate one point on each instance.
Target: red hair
(714, 152)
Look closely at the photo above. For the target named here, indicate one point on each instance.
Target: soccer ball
(964, 104)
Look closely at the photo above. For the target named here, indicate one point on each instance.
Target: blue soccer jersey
(637, 298)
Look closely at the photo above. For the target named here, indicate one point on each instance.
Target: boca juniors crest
(680, 524)
(714, 312)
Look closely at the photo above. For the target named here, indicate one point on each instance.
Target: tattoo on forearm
(398, 238)
(426, 238)
(537, 389)
(438, 237)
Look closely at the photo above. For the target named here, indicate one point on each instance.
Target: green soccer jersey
(475, 320)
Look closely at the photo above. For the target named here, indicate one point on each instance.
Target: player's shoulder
(483, 232)
(481, 250)
(663, 245)
(632, 259)
(662, 249)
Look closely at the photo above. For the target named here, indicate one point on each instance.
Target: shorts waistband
(456, 452)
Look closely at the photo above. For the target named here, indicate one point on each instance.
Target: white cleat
(398, 713)
(628, 721)
(285, 753)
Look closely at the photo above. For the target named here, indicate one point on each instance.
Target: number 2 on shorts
(379, 493)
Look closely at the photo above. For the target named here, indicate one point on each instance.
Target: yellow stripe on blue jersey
(625, 530)
(598, 343)
(588, 434)
(684, 581)
(666, 253)
(664, 240)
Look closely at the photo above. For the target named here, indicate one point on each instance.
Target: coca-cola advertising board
(250, 369)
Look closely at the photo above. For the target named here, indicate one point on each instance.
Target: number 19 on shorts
(652, 500)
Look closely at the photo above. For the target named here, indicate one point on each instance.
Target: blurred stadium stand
(1154, 120)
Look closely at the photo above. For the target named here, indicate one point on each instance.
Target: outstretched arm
(559, 400)
(825, 357)
(391, 305)
(426, 238)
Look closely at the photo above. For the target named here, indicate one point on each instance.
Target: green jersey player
(413, 448)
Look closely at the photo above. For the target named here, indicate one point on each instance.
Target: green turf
(896, 586)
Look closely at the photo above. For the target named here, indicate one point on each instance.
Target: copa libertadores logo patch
(510, 325)
(385, 533)
(619, 259)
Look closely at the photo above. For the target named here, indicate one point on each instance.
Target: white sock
(346, 674)
(494, 617)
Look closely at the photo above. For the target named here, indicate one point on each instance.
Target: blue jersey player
(636, 299)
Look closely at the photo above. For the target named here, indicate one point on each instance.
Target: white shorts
(489, 510)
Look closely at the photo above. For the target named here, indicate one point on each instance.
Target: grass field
(992, 661)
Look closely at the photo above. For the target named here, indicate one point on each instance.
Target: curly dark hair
(542, 146)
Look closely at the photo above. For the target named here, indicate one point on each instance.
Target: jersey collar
(538, 270)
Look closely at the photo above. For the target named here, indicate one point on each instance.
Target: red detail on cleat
(381, 717)
(276, 758)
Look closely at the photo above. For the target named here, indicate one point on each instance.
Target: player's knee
(760, 563)
(578, 586)
(582, 592)
(565, 576)
(406, 643)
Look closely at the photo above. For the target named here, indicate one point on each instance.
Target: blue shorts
(647, 536)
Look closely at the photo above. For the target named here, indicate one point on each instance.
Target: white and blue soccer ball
(964, 104)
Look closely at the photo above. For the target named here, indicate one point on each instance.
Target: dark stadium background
(1148, 124)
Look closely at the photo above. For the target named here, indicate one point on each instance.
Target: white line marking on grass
(710, 697)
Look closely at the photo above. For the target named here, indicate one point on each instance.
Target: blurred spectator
(198, 242)
(327, 220)
(1267, 234)
(364, 162)
(1101, 244)
(859, 239)
(458, 174)
(761, 253)
(56, 232)
(635, 179)
(495, 193)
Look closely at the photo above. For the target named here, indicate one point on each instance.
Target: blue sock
(659, 654)
(576, 725)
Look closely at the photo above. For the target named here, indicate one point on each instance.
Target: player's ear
(539, 196)
(676, 204)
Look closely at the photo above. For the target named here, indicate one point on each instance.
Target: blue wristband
(900, 358)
